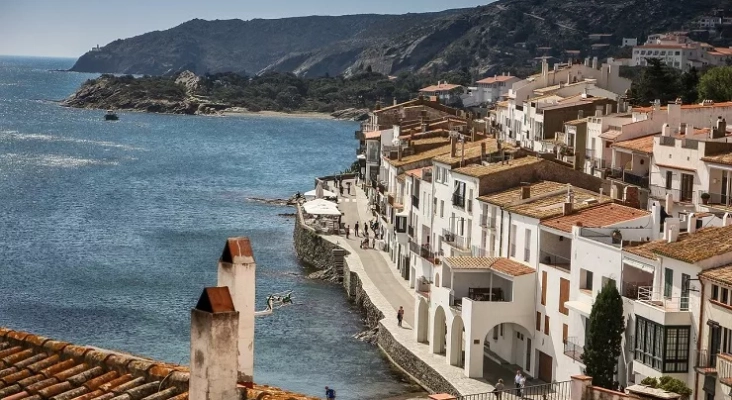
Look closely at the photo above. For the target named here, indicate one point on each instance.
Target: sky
(69, 28)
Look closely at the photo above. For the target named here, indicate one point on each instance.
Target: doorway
(545, 367)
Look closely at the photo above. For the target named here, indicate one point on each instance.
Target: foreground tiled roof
(546, 200)
(420, 156)
(440, 87)
(721, 274)
(494, 79)
(499, 264)
(645, 250)
(719, 159)
(700, 245)
(596, 217)
(642, 144)
(611, 134)
(472, 150)
(37, 368)
(373, 135)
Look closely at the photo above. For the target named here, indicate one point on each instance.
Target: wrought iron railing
(647, 295)
(716, 199)
(706, 360)
(547, 391)
(659, 192)
(455, 240)
(480, 252)
(629, 177)
(572, 349)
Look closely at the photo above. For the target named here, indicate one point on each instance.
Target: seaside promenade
(388, 291)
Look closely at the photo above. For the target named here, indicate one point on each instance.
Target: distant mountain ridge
(482, 39)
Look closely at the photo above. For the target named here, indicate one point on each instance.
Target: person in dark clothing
(348, 231)
(355, 229)
(365, 227)
(329, 393)
(400, 315)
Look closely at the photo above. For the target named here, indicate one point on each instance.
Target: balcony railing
(487, 222)
(554, 260)
(424, 251)
(415, 202)
(706, 361)
(717, 199)
(659, 192)
(480, 252)
(553, 391)
(654, 298)
(454, 240)
(667, 141)
(629, 177)
(630, 289)
(573, 350)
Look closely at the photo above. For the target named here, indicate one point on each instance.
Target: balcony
(415, 202)
(454, 240)
(660, 192)
(628, 177)
(654, 306)
(487, 222)
(706, 362)
(717, 200)
(424, 251)
(480, 252)
(554, 260)
(573, 350)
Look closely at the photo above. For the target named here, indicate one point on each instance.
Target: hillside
(503, 35)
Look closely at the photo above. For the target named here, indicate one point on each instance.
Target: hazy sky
(69, 28)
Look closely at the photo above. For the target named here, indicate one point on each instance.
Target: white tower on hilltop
(237, 270)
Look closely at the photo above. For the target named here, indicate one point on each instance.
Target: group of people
(519, 380)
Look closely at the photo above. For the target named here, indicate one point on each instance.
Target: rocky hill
(504, 35)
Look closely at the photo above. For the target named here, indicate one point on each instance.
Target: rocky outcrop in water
(351, 114)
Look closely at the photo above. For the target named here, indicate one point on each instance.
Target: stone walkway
(387, 291)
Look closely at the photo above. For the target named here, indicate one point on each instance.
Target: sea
(109, 230)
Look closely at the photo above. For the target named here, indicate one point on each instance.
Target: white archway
(423, 321)
(439, 331)
(457, 342)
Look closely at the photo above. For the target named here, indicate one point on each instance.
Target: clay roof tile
(35, 387)
(128, 385)
(12, 378)
(163, 394)
(80, 378)
(15, 357)
(10, 351)
(53, 390)
(31, 380)
(70, 394)
(17, 335)
(67, 373)
(55, 346)
(58, 367)
(17, 396)
(31, 360)
(10, 390)
(90, 395)
(44, 363)
(7, 371)
(98, 381)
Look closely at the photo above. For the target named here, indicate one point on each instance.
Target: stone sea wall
(317, 252)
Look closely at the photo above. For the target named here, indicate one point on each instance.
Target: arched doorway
(457, 342)
(423, 322)
(439, 331)
(507, 343)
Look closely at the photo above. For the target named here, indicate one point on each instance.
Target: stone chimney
(452, 147)
(691, 223)
(214, 326)
(525, 192)
(237, 271)
(395, 101)
(720, 130)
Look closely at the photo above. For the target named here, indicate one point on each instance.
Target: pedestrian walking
(499, 389)
(340, 188)
(348, 185)
(329, 393)
(348, 231)
(400, 315)
(365, 227)
(355, 229)
(517, 380)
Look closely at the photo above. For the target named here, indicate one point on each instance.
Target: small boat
(111, 116)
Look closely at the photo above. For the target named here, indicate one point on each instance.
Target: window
(495, 333)
(565, 333)
(563, 295)
(538, 321)
(546, 324)
(725, 296)
(669, 179)
(585, 279)
(715, 292)
(442, 208)
(663, 348)
(469, 200)
(678, 53)
(527, 245)
(401, 224)
(687, 187)
(501, 330)
(458, 195)
(512, 247)
(668, 282)
(543, 288)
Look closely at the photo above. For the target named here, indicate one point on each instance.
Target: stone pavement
(387, 291)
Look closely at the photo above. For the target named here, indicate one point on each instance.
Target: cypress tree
(604, 337)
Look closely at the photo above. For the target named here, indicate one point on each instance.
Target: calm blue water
(110, 230)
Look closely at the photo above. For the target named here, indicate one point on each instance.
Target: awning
(314, 193)
(641, 266)
(321, 207)
(579, 306)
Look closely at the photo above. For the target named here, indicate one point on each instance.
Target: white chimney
(665, 130)
(691, 223)
(727, 219)
(237, 270)
(594, 62)
(214, 323)
(669, 202)
(672, 230)
(688, 130)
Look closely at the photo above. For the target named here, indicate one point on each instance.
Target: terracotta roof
(36, 368)
(417, 172)
(479, 171)
(719, 159)
(611, 134)
(685, 107)
(421, 156)
(570, 102)
(721, 274)
(642, 144)
(494, 79)
(472, 151)
(576, 121)
(675, 167)
(663, 46)
(373, 135)
(723, 50)
(499, 264)
(645, 250)
(596, 217)
(440, 87)
(546, 200)
(700, 245)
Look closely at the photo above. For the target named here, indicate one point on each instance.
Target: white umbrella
(321, 207)
(313, 194)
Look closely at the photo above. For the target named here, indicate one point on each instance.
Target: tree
(689, 86)
(657, 82)
(716, 84)
(668, 384)
(604, 337)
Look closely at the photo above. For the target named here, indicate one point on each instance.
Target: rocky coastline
(178, 97)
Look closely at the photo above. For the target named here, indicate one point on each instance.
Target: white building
(489, 90)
